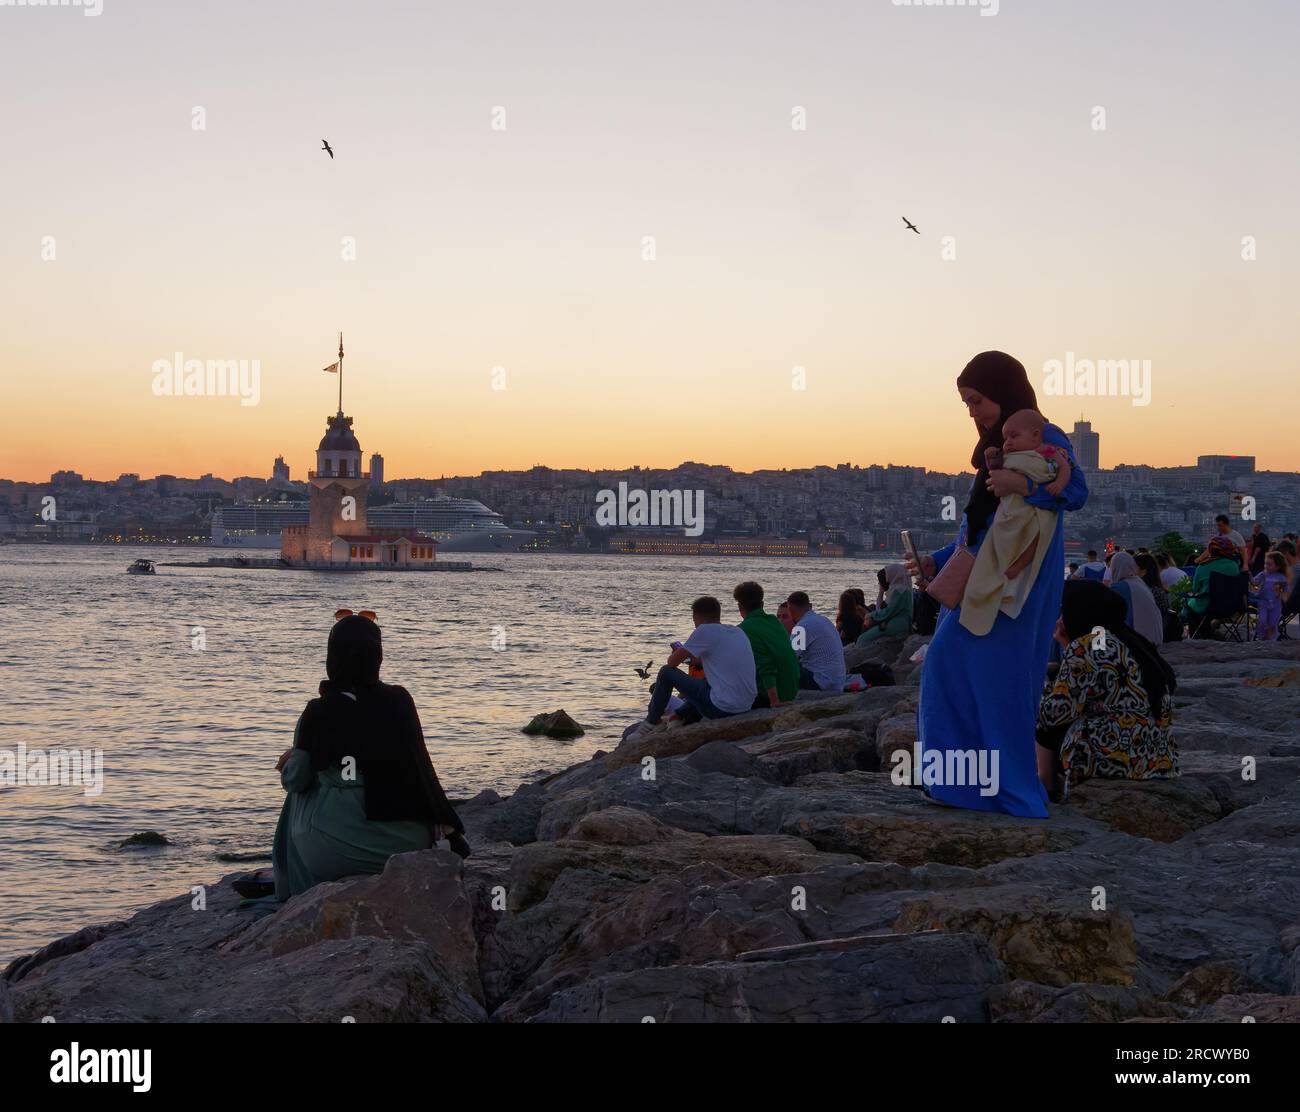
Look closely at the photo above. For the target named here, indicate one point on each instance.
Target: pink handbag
(949, 586)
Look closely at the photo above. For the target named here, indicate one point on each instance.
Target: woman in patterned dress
(1108, 710)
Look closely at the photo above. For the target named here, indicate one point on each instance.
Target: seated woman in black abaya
(360, 783)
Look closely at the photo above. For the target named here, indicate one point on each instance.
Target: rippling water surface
(92, 657)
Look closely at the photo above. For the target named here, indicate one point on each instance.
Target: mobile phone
(909, 546)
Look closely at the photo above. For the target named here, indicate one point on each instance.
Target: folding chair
(1290, 609)
(1227, 606)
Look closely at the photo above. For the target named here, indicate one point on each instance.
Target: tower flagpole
(340, 372)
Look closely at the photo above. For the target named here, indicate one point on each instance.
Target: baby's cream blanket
(1014, 528)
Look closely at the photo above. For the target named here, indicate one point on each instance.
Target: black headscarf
(354, 653)
(377, 725)
(1087, 604)
(1001, 379)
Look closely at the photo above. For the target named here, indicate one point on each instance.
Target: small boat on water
(141, 567)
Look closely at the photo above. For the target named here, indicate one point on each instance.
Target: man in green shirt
(775, 661)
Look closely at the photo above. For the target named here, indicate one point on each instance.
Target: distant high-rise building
(280, 472)
(1086, 445)
(376, 468)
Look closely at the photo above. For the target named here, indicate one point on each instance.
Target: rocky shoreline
(765, 868)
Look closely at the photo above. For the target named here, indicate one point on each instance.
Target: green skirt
(323, 833)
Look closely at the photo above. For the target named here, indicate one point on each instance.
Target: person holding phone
(980, 694)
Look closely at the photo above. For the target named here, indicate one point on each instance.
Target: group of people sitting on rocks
(1165, 601)
(893, 614)
(764, 660)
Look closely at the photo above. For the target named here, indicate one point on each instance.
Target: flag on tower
(333, 368)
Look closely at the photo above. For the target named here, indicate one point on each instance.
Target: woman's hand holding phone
(922, 569)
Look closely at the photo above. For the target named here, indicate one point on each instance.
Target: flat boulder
(1162, 810)
(867, 815)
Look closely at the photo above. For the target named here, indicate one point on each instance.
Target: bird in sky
(644, 673)
(324, 145)
(911, 225)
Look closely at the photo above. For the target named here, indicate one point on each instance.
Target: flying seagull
(911, 225)
(324, 145)
(644, 673)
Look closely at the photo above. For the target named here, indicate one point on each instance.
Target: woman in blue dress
(980, 695)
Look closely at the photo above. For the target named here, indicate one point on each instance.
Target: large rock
(785, 757)
(923, 979)
(556, 724)
(1251, 1009)
(373, 948)
(686, 739)
(1162, 810)
(867, 815)
(1048, 942)
(554, 890)
(1030, 1002)
(883, 650)
(418, 898)
(513, 819)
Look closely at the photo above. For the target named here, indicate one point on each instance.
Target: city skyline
(1084, 438)
(543, 252)
(297, 476)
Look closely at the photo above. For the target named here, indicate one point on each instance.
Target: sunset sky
(522, 248)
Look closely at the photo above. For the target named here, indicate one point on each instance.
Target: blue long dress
(983, 692)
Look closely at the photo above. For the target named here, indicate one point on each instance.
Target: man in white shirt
(1223, 526)
(1093, 569)
(1225, 529)
(817, 644)
(730, 683)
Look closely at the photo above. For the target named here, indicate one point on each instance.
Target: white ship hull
(471, 540)
(457, 524)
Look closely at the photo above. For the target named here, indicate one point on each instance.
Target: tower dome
(339, 437)
(339, 453)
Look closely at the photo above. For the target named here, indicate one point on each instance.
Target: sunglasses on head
(339, 615)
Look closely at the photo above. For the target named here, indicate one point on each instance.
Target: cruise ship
(458, 524)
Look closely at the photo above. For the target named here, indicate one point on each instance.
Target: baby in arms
(1023, 432)
(1013, 540)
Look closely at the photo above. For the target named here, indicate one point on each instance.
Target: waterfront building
(337, 533)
